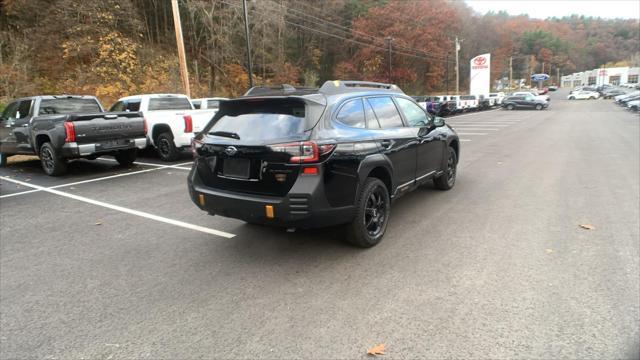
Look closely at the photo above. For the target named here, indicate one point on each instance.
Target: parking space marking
(465, 140)
(465, 134)
(96, 179)
(124, 210)
(178, 166)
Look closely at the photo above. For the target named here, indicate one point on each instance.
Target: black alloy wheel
(447, 180)
(166, 148)
(373, 209)
(51, 163)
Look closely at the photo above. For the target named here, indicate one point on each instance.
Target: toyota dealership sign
(480, 77)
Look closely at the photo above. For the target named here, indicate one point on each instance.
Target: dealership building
(603, 76)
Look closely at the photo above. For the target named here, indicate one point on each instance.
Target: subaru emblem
(230, 150)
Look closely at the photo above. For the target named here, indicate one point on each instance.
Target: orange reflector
(310, 170)
(268, 211)
(201, 199)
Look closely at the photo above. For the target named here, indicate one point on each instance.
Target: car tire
(591, 98)
(51, 162)
(447, 180)
(538, 107)
(126, 157)
(373, 208)
(571, 98)
(510, 107)
(166, 147)
(3, 159)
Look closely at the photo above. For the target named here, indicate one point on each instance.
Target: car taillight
(188, 124)
(304, 151)
(145, 126)
(70, 132)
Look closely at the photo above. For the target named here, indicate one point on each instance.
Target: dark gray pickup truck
(58, 128)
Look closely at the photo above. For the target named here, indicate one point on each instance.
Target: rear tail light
(304, 151)
(188, 124)
(70, 132)
(145, 126)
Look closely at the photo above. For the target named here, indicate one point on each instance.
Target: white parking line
(464, 134)
(465, 140)
(124, 210)
(178, 166)
(97, 179)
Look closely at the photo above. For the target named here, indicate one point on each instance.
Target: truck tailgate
(91, 128)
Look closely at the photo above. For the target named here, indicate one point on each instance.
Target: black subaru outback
(305, 158)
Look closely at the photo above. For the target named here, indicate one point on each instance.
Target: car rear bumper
(74, 149)
(305, 206)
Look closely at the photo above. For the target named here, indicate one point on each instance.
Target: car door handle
(386, 144)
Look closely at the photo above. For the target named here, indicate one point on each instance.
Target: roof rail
(284, 89)
(334, 87)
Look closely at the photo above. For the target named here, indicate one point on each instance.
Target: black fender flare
(376, 161)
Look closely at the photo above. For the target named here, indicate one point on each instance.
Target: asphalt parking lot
(116, 262)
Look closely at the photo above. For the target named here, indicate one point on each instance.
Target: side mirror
(438, 121)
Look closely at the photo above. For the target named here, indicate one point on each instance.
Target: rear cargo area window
(262, 121)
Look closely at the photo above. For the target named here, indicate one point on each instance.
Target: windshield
(169, 103)
(68, 106)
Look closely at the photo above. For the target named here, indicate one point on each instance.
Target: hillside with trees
(111, 48)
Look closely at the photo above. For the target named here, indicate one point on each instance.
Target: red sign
(480, 60)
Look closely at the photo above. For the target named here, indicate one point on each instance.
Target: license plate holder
(236, 168)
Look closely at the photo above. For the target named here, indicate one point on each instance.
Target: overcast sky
(541, 9)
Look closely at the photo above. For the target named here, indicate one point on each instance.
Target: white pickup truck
(171, 119)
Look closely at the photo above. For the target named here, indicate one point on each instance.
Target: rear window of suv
(169, 103)
(260, 122)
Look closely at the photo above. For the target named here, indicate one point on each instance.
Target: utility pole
(246, 36)
(510, 71)
(389, 39)
(184, 73)
(447, 73)
(457, 66)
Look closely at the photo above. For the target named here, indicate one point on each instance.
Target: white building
(603, 76)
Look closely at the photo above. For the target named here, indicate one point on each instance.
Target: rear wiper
(225, 134)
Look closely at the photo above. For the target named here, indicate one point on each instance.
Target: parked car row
(630, 101)
(65, 127)
(445, 105)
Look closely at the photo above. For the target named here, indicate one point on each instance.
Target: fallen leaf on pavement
(376, 350)
(98, 223)
(587, 226)
(549, 251)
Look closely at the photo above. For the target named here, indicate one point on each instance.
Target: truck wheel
(510, 107)
(373, 208)
(3, 159)
(126, 157)
(447, 180)
(538, 107)
(52, 164)
(166, 147)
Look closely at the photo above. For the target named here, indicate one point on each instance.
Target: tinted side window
(24, 108)
(412, 112)
(352, 114)
(372, 121)
(119, 106)
(386, 112)
(133, 105)
(10, 111)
